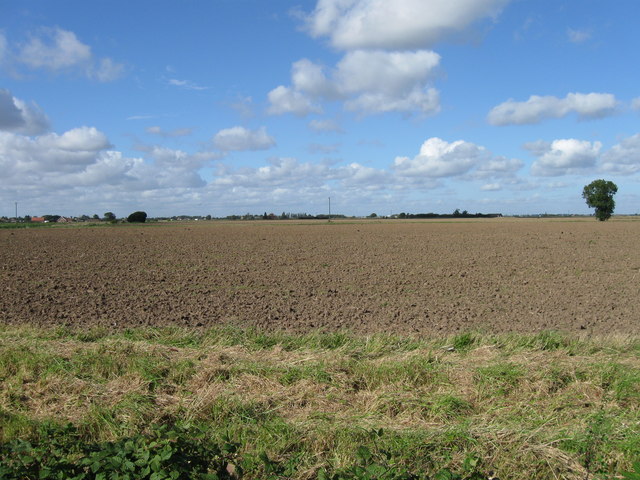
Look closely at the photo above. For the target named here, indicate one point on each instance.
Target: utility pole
(329, 209)
(16, 211)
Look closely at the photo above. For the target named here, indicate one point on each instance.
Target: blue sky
(233, 106)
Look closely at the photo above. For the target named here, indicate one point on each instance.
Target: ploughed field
(401, 277)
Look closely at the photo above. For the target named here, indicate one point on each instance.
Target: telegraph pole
(329, 209)
(16, 210)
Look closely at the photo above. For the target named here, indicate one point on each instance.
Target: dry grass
(528, 406)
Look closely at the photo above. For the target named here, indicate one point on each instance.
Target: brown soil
(496, 275)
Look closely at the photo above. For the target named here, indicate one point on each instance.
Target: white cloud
(635, 103)
(59, 50)
(107, 70)
(55, 49)
(108, 168)
(377, 81)
(563, 157)
(294, 179)
(287, 100)
(427, 102)
(17, 116)
(357, 174)
(310, 78)
(186, 84)
(386, 67)
(578, 36)
(169, 157)
(491, 187)
(368, 82)
(287, 172)
(82, 139)
(58, 169)
(623, 158)
(176, 168)
(240, 138)
(537, 108)
(388, 72)
(22, 157)
(401, 24)
(438, 158)
(501, 165)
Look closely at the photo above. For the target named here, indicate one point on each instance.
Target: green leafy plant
(376, 463)
(177, 453)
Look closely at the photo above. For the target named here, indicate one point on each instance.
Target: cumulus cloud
(623, 158)
(310, 78)
(63, 166)
(438, 158)
(287, 172)
(392, 72)
(427, 101)
(367, 81)
(387, 66)
(240, 139)
(82, 139)
(290, 176)
(538, 108)
(59, 50)
(287, 100)
(356, 174)
(20, 117)
(23, 157)
(377, 81)
(176, 168)
(563, 156)
(108, 168)
(401, 24)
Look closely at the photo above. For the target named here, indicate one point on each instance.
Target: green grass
(524, 406)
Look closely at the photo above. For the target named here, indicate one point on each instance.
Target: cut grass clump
(498, 379)
(300, 406)
(409, 372)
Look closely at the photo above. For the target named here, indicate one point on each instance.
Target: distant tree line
(456, 214)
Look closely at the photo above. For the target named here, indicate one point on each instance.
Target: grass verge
(302, 406)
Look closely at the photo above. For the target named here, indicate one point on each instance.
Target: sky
(224, 107)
